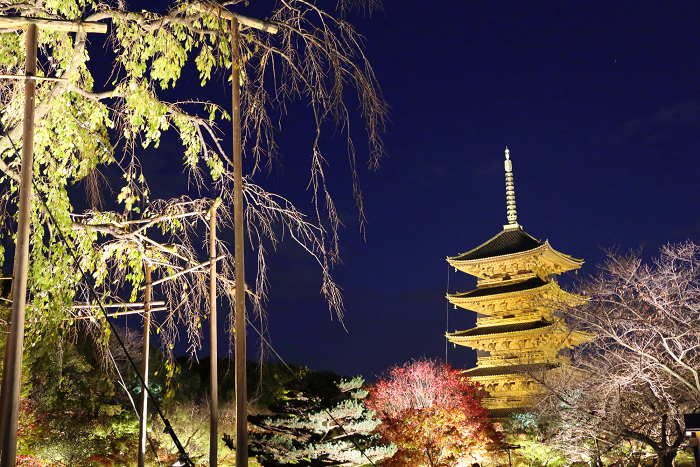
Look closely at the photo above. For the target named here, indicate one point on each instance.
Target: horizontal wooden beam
(245, 20)
(116, 305)
(117, 315)
(20, 22)
(37, 78)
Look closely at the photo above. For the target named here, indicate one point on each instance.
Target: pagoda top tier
(511, 254)
(509, 241)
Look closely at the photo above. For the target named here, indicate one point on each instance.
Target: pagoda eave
(544, 259)
(488, 304)
(454, 337)
(556, 332)
(521, 372)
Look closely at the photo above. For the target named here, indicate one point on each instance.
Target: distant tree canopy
(433, 414)
(634, 381)
(94, 133)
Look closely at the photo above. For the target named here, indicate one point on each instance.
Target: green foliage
(320, 420)
(74, 413)
(531, 441)
(77, 131)
(271, 384)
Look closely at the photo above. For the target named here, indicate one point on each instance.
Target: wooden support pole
(240, 338)
(143, 420)
(12, 369)
(214, 343)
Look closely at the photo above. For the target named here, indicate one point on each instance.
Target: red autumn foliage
(433, 414)
(28, 461)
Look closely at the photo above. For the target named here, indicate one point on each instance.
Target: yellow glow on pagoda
(517, 333)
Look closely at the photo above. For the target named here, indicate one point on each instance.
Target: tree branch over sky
(83, 126)
(639, 375)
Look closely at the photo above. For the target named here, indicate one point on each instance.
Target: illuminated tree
(433, 415)
(83, 126)
(321, 421)
(72, 396)
(641, 372)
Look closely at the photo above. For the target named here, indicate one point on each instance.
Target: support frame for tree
(12, 370)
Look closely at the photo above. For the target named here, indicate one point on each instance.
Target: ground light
(692, 428)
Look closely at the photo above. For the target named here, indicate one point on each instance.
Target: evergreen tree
(321, 421)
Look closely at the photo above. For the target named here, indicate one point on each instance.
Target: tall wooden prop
(143, 418)
(12, 370)
(214, 351)
(240, 316)
(240, 344)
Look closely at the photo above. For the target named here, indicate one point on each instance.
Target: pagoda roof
(502, 329)
(529, 284)
(488, 300)
(508, 370)
(513, 251)
(507, 242)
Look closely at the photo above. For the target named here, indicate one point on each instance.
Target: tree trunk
(665, 459)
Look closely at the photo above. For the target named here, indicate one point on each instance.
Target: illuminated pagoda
(517, 333)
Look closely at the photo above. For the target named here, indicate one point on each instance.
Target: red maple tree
(433, 414)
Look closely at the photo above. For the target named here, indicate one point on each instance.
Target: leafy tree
(84, 126)
(528, 442)
(74, 413)
(320, 421)
(634, 381)
(433, 414)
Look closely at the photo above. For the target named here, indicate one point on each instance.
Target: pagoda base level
(514, 403)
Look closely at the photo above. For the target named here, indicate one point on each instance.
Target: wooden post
(240, 338)
(143, 420)
(12, 370)
(214, 342)
(240, 315)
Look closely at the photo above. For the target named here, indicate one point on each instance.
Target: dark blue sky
(599, 105)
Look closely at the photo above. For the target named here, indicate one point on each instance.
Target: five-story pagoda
(517, 333)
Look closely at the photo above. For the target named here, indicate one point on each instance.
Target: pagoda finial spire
(510, 193)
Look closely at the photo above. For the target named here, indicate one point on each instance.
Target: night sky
(599, 105)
